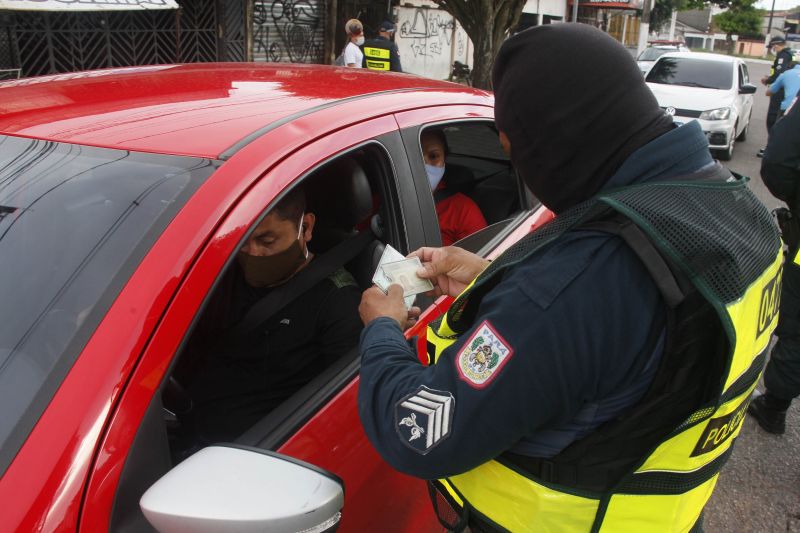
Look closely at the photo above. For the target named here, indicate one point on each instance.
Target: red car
(124, 196)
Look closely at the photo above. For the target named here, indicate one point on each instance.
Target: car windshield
(651, 54)
(75, 221)
(691, 72)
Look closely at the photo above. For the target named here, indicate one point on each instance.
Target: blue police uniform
(579, 329)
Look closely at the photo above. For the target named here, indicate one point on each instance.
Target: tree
(741, 18)
(487, 23)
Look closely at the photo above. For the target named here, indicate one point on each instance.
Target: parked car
(125, 195)
(657, 49)
(713, 89)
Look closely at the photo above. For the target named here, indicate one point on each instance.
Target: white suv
(713, 89)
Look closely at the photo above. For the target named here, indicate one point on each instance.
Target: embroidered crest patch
(423, 419)
(483, 356)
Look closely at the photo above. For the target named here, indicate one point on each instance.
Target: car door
(134, 450)
(744, 102)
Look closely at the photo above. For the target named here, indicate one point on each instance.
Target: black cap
(387, 26)
(776, 40)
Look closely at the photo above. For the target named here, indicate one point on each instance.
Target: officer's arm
(395, 57)
(776, 86)
(544, 344)
(513, 372)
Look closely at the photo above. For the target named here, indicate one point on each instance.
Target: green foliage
(743, 21)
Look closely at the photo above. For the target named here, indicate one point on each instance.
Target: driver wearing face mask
(246, 375)
(458, 214)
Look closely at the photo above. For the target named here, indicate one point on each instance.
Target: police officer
(780, 171)
(594, 375)
(381, 52)
(783, 62)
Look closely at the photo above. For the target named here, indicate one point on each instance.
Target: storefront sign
(87, 5)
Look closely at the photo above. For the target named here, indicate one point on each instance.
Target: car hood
(693, 98)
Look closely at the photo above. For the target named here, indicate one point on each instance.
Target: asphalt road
(759, 489)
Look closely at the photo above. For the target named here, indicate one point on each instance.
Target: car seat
(340, 196)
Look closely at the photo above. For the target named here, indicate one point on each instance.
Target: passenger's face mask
(269, 270)
(435, 175)
(360, 40)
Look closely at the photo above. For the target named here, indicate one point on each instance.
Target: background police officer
(784, 60)
(780, 171)
(381, 52)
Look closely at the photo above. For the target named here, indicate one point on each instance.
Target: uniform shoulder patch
(423, 419)
(482, 357)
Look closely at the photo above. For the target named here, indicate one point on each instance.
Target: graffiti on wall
(429, 40)
(430, 32)
(288, 30)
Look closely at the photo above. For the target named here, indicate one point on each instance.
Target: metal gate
(289, 31)
(202, 30)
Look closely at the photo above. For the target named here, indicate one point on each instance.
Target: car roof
(200, 109)
(695, 56)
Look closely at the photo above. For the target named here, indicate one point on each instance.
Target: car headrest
(340, 194)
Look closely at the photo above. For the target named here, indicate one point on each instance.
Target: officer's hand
(375, 304)
(764, 80)
(450, 268)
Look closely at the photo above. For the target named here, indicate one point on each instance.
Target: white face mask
(360, 40)
(435, 175)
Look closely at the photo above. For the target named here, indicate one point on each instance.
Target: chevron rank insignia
(483, 356)
(424, 418)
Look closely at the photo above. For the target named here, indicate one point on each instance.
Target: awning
(87, 5)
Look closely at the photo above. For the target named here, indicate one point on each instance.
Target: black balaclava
(574, 105)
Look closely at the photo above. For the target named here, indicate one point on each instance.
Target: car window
(74, 223)
(475, 186)
(241, 363)
(653, 53)
(691, 72)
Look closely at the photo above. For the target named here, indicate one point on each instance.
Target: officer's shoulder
(543, 276)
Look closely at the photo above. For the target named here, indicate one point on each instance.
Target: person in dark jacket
(246, 373)
(780, 171)
(381, 52)
(784, 60)
(555, 339)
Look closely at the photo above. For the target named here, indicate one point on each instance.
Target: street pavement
(759, 489)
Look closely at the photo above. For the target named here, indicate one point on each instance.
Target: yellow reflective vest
(724, 248)
(377, 58)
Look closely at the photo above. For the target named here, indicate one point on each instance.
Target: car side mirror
(237, 488)
(747, 88)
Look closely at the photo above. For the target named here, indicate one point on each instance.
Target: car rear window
(651, 54)
(75, 221)
(692, 72)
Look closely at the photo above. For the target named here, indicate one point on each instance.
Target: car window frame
(335, 144)
(412, 139)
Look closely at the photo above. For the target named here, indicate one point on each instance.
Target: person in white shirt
(353, 56)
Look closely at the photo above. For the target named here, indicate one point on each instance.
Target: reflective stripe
(377, 65)
(797, 257)
(376, 53)
(754, 318)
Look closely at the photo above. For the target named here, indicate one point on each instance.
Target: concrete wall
(429, 40)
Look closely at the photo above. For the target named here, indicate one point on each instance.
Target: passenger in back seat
(248, 372)
(458, 214)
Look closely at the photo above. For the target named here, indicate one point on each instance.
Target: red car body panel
(66, 474)
(194, 109)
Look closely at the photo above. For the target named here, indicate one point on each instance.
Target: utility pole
(771, 12)
(575, 10)
(644, 27)
(672, 24)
